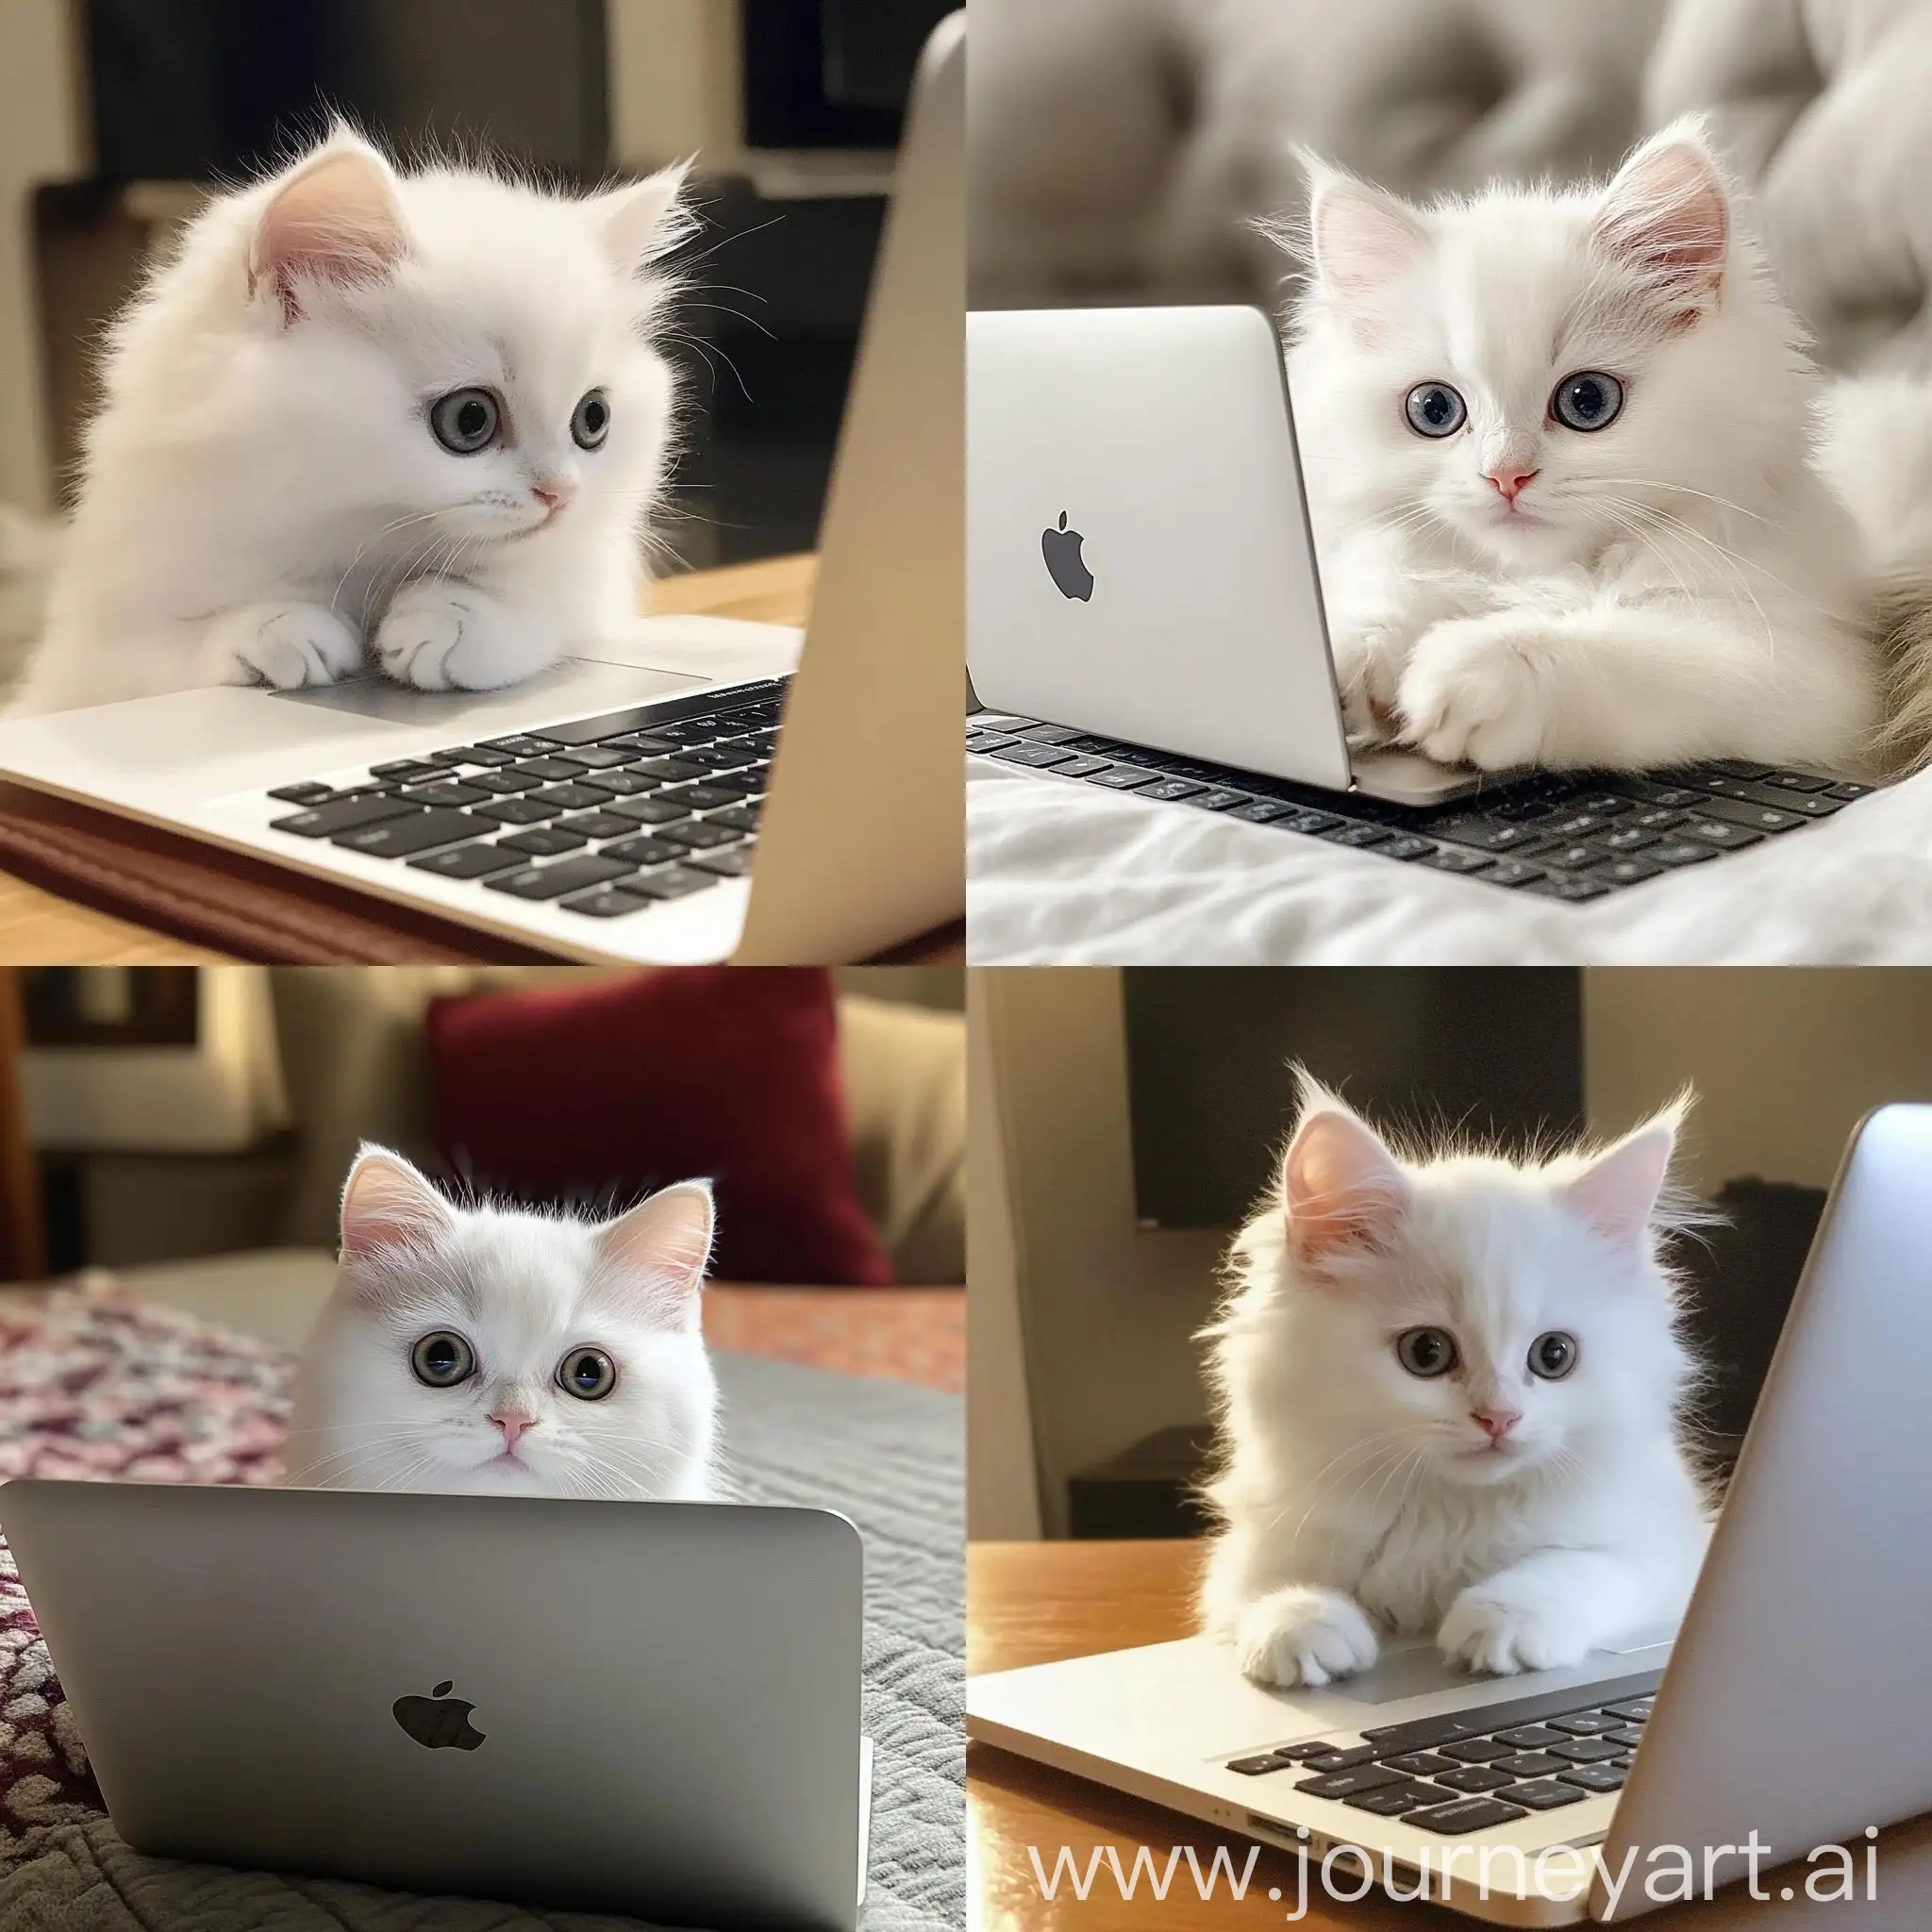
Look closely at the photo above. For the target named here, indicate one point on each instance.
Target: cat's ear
(1360, 237)
(664, 1243)
(1340, 1187)
(1668, 214)
(335, 219)
(387, 1203)
(645, 220)
(1617, 1192)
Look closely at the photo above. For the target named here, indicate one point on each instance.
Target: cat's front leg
(443, 635)
(1479, 690)
(284, 644)
(1373, 635)
(1304, 1633)
(1545, 1613)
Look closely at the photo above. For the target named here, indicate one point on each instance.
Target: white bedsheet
(1060, 872)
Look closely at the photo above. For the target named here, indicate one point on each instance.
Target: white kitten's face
(498, 1352)
(1534, 373)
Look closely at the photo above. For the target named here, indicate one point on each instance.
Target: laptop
(1145, 614)
(693, 790)
(646, 1708)
(1790, 1702)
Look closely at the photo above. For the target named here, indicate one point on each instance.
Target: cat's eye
(1427, 1352)
(589, 423)
(443, 1359)
(588, 1373)
(1553, 1356)
(1587, 400)
(465, 420)
(1435, 410)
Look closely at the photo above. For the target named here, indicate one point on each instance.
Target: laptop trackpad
(589, 685)
(1419, 1670)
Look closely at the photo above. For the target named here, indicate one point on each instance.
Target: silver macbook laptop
(679, 795)
(1820, 1554)
(648, 1708)
(1145, 614)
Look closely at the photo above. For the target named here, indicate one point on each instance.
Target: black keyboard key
(732, 756)
(1517, 874)
(1542, 1794)
(572, 797)
(627, 784)
(1572, 888)
(740, 818)
(642, 745)
(1345, 1784)
(467, 862)
(551, 770)
(1391, 1801)
(732, 862)
(1467, 1814)
(1757, 818)
(1532, 1737)
(1473, 1778)
(554, 881)
(612, 725)
(699, 835)
(1608, 805)
(668, 771)
(1586, 1751)
(310, 793)
(517, 811)
(1577, 825)
(1172, 791)
(1675, 797)
(1457, 858)
(343, 815)
(673, 882)
(1309, 1747)
(1408, 847)
(646, 851)
(1628, 1737)
(1629, 839)
(1262, 812)
(1034, 756)
(1122, 777)
(1659, 821)
(471, 755)
(1796, 781)
(543, 842)
(1679, 852)
(1052, 733)
(1636, 1710)
(1082, 767)
(600, 758)
(1583, 1723)
(986, 743)
(1257, 1767)
(702, 797)
(1345, 1759)
(404, 838)
(1846, 793)
(519, 746)
(1575, 858)
(656, 811)
(1420, 1733)
(1627, 872)
(1739, 768)
(598, 825)
(447, 793)
(1594, 1778)
(608, 902)
(503, 784)
(1420, 1763)
(408, 770)
(1530, 1764)
(1488, 834)
(1220, 798)
(1475, 1750)
(1310, 825)
(1358, 836)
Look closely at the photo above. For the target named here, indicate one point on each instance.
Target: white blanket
(1068, 874)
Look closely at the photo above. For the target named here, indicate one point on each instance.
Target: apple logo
(439, 1720)
(1064, 563)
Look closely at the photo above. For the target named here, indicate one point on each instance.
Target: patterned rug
(95, 1382)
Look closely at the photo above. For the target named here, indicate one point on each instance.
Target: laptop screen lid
(639, 1708)
(1139, 557)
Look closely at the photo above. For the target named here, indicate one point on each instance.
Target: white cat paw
(1304, 1636)
(286, 646)
(1490, 1633)
(1475, 692)
(443, 636)
(1369, 660)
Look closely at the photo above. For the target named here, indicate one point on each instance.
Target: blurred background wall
(1097, 1367)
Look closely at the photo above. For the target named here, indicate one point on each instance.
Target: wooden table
(37, 929)
(1039, 1603)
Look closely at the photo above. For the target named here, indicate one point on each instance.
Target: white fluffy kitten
(487, 1350)
(1559, 459)
(1448, 1392)
(417, 413)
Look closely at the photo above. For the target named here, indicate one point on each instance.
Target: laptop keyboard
(605, 816)
(1568, 836)
(1463, 1774)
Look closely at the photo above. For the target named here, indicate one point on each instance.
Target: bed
(100, 1383)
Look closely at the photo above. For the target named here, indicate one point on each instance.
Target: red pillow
(597, 1093)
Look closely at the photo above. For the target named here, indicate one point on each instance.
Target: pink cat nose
(1495, 1423)
(513, 1423)
(553, 497)
(1510, 483)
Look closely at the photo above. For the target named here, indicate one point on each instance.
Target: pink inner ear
(1617, 1193)
(387, 1203)
(1668, 213)
(336, 221)
(1362, 238)
(666, 1239)
(1341, 1186)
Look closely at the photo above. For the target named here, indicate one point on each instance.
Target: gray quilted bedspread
(887, 1455)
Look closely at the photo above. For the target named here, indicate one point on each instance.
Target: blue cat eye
(588, 1373)
(1435, 410)
(1553, 1356)
(1427, 1352)
(443, 1359)
(465, 420)
(590, 424)
(1587, 400)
